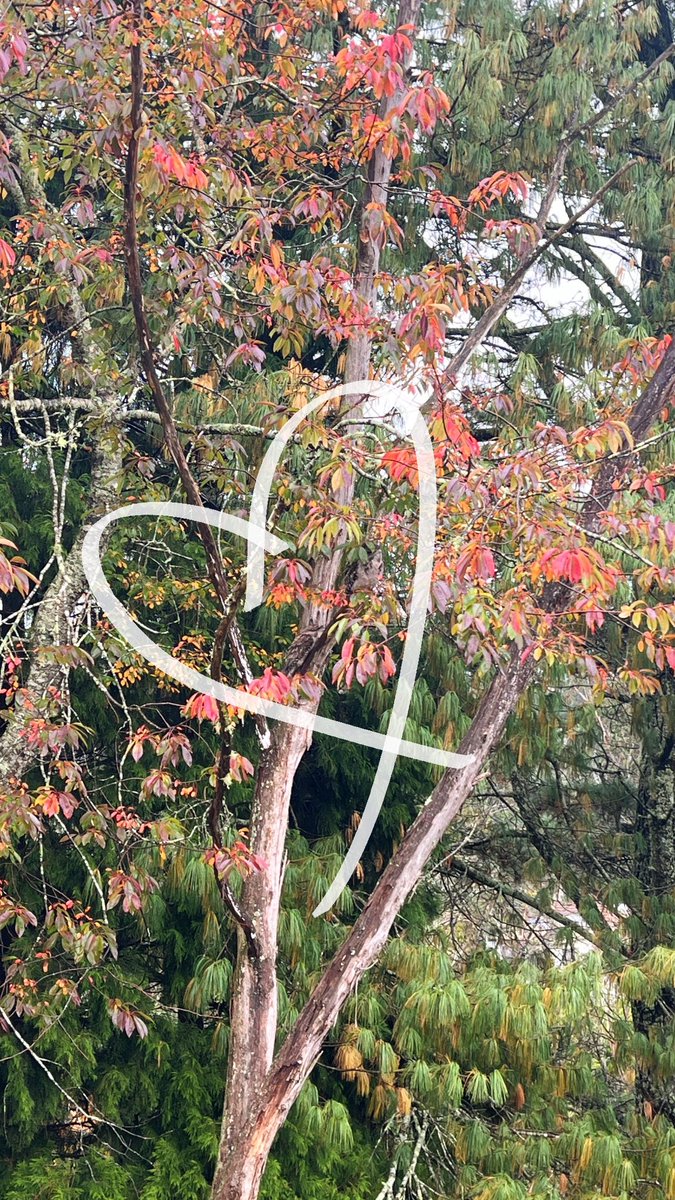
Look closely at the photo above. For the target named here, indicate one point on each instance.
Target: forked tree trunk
(241, 1161)
(241, 1165)
(253, 1008)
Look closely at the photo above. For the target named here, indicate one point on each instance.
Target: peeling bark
(239, 1176)
(52, 623)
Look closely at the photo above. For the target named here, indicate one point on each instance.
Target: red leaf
(202, 708)
(51, 804)
(7, 254)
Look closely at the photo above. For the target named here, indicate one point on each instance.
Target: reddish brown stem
(214, 562)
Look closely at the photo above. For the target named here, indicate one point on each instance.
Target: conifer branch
(492, 315)
(93, 1117)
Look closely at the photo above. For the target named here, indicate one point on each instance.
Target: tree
(198, 193)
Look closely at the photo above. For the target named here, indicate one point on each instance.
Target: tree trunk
(655, 869)
(51, 627)
(242, 1161)
(253, 1009)
(51, 624)
(253, 1022)
(239, 1174)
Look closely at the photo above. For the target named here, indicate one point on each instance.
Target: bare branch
(458, 866)
(492, 315)
(85, 404)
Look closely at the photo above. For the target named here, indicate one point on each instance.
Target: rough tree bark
(238, 1177)
(51, 626)
(655, 869)
(253, 1009)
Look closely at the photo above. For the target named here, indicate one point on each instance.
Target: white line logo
(259, 541)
